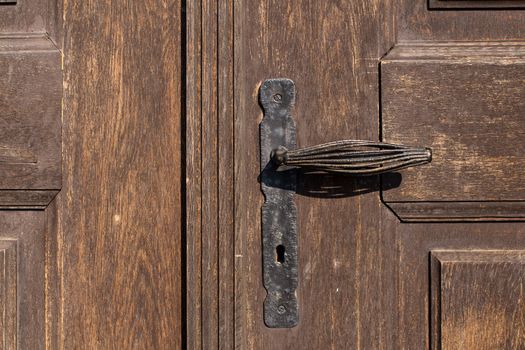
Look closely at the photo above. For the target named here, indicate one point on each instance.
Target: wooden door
(431, 257)
(91, 174)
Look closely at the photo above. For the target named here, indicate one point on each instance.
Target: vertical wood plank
(210, 174)
(120, 206)
(193, 174)
(226, 178)
(210, 190)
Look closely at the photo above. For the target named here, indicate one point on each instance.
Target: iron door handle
(354, 157)
(280, 247)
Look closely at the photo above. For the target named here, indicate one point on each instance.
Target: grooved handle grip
(353, 157)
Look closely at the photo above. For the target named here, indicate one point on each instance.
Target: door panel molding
(465, 101)
(30, 113)
(210, 173)
(469, 285)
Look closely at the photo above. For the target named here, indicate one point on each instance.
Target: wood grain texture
(416, 22)
(30, 113)
(466, 106)
(119, 242)
(477, 299)
(22, 293)
(458, 211)
(226, 165)
(415, 241)
(428, 36)
(210, 196)
(331, 50)
(210, 180)
(26, 16)
(194, 263)
(26, 199)
(365, 275)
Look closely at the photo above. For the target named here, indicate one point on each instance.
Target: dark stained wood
(465, 102)
(210, 181)
(26, 16)
(32, 17)
(428, 38)
(364, 274)
(26, 199)
(194, 263)
(226, 181)
(210, 177)
(118, 248)
(30, 167)
(477, 299)
(22, 296)
(30, 114)
(458, 211)
(414, 21)
(332, 52)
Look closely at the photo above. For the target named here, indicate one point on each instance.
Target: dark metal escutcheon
(279, 163)
(279, 232)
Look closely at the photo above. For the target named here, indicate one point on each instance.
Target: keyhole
(281, 254)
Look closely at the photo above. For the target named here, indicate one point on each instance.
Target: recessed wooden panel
(30, 117)
(475, 4)
(466, 102)
(477, 299)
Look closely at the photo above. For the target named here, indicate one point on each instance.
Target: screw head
(281, 309)
(277, 97)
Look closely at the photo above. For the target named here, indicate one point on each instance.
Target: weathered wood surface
(30, 115)
(331, 51)
(25, 16)
(209, 175)
(461, 73)
(22, 296)
(118, 249)
(414, 277)
(465, 101)
(476, 298)
(364, 275)
(414, 21)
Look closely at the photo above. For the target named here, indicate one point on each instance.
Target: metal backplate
(279, 232)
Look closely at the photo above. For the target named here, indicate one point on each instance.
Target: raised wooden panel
(30, 120)
(477, 299)
(8, 299)
(465, 101)
(475, 4)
